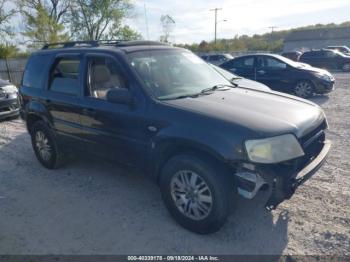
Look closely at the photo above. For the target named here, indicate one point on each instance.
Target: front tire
(45, 146)
(197, 192)
(304, 89)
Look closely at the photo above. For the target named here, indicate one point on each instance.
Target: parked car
(240, 81)
(217, 59)
(292, 55)
(326, 58)
(167, 112)
(9, 106)
(282, 74)
(343, 49)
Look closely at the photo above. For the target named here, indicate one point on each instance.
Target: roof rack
(96, 43)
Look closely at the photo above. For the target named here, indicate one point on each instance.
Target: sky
(195, 21)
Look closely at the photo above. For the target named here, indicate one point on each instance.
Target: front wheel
(304, 89)
(197, 193)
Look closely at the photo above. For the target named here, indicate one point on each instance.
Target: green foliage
(5, 17)
(44, 21)
(11, 51)
(100, 19)
(265, 42)
(7, 51)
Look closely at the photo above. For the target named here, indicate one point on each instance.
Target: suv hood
(264, 113)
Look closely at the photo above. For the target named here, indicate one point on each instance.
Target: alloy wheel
(303, 89)
(43, 146)
(191, 194)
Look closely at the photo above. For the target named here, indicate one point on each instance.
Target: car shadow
(93, 206)
(320, 99)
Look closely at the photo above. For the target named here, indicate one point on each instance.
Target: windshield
(174, 73)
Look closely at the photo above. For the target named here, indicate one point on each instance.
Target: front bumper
(323, 87)
(282, 181)
(283, 188)
(9, 108)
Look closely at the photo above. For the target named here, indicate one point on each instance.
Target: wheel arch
(36, 112)
(170, 148)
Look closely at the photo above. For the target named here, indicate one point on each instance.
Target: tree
(5, 17)
(45, 20)
(168, 24)
(7, 51)
(101, 19)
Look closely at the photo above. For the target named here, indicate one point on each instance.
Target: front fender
(173, 139)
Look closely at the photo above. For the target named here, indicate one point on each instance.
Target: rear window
(35, 71)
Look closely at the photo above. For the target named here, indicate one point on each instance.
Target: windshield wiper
(217, 87)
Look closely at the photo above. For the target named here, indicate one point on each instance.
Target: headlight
(9, 89)
(273, 150)
(323, 76)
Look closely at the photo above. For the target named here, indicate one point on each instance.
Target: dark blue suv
(203, 138)
(282, 74)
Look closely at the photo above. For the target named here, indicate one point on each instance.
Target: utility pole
(216, 19)
(272, 28)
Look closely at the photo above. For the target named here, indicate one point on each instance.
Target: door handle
(261, 72)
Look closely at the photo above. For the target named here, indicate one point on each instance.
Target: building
(302, 40)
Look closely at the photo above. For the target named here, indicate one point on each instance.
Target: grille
(312, 144)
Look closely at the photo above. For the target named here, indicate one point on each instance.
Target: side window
(330, 54)
(248, 62)
(272, 63)
(103, 74)
(33, 75)
(242, 63)
(64, 75)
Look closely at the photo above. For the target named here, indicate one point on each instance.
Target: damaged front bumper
(282, 180)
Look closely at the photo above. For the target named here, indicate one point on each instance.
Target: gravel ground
(96, 207)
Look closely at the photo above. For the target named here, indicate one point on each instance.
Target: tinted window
(35, 71)
(104, 74)
(64, 76)
(330, 54)
(272, 63)
(309, 54)
(242, 62)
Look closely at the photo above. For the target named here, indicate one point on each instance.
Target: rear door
(112, 130)
(273, 72)
(62, 97)
(243, 66)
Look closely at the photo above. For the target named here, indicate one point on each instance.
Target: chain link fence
(12, 69)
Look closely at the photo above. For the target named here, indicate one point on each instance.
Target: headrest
(100, 74)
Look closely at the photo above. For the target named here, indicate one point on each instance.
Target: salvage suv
(203, 139)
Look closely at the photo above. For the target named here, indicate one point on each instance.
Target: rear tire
(45, 146)
(304, 89)
(197, 192)
(346, 67)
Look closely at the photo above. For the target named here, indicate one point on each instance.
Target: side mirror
(120, 96)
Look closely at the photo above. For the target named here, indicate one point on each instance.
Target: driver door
(110, 129)
(273, 72)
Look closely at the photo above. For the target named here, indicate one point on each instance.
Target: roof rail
(96, 43)
(71, 44)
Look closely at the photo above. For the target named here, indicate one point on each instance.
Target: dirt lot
(95, 207)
